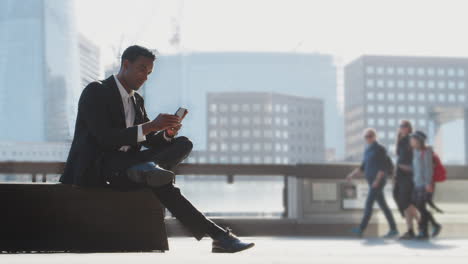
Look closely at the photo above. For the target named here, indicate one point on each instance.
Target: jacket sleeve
(153, 139)
(94, 109)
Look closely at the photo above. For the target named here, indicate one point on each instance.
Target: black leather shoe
(408, 235)
(151, 174)
(229, 243)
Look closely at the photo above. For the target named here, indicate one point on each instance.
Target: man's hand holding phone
(180, 113)
(165, 121)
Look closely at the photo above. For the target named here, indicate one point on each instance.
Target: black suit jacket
(101, 129)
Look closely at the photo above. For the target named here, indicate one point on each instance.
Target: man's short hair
(133, 52)
(370, 131)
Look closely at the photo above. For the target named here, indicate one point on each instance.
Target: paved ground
(276, 250)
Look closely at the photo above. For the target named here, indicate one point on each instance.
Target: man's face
(136, 73)
(369, 137)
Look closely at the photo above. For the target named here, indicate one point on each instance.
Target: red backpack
(440, 173)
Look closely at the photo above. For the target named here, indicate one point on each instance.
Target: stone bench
(57, 217)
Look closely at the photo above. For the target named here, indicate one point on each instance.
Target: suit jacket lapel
(116, 99)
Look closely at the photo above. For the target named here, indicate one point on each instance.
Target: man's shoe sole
(222, 250)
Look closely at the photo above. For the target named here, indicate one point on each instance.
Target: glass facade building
(39, 70)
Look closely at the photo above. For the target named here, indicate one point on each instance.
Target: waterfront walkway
(276, 250)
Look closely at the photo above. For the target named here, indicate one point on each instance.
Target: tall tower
(39, 70)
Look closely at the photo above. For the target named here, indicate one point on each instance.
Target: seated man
(111, 127)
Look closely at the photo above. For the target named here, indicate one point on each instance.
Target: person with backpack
(424, 177)
(403, 184)
(376, 166)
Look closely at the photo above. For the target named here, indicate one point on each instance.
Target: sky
(345, 29)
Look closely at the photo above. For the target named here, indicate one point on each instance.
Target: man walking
(375, 167)
(111, 128)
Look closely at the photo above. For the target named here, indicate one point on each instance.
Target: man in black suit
(111, 128)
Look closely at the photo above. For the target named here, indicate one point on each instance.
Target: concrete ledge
(56, 217)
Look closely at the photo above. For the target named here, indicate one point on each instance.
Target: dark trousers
(170, 196)
(376, 194)
(421, 197)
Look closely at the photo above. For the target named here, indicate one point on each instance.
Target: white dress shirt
(129, 111)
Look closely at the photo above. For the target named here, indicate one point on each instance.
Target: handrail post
(285, 197)
(34, 178)
(44, 177)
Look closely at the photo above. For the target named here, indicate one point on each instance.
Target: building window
(430, 71)
(235, 147)
(390, 84)
(411, 109)
(370, 83)
(245, 133)
(380, 96)
(441, 72)
(380, 83)
(245, 146)
(451, 85)
(421, 97)
(391, 109)
(422, 122)
(441, 84)
(451, 98)
(390, 70)
(223, 108)
(213, 121)
(370, 70)
(441, 97)
(411, 96)
(401, 96)
(421, 71)
(235, 107)
(381, 108)
(401, 84)
(245, 108)
(391, 96)
(213, 147)
(430, 84)
(461, 85)
(370, 109)
(461, 98)
(461, 72)
(380, 70)
(213, 134)
(391, 122)
(256, 107)
(213, 107)
(371, 122)
(421, 84)
(451, 72)
(401, 109)
(410, 84)
(235, 133)
(400, 70)
(410, 71)
(431, 97)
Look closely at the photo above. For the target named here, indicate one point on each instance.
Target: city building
(39, 68)
(90, 68)
(382, 90)
(263, 128)
(184, 80)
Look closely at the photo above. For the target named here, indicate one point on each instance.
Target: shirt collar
(125, 95)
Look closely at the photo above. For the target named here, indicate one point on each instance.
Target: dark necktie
(138, 114)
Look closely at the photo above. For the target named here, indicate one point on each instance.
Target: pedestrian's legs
(384, 207)
(368, 208)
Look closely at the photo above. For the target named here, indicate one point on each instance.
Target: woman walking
(403, 187)
(423, 171)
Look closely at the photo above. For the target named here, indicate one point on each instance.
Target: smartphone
(181, 112)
